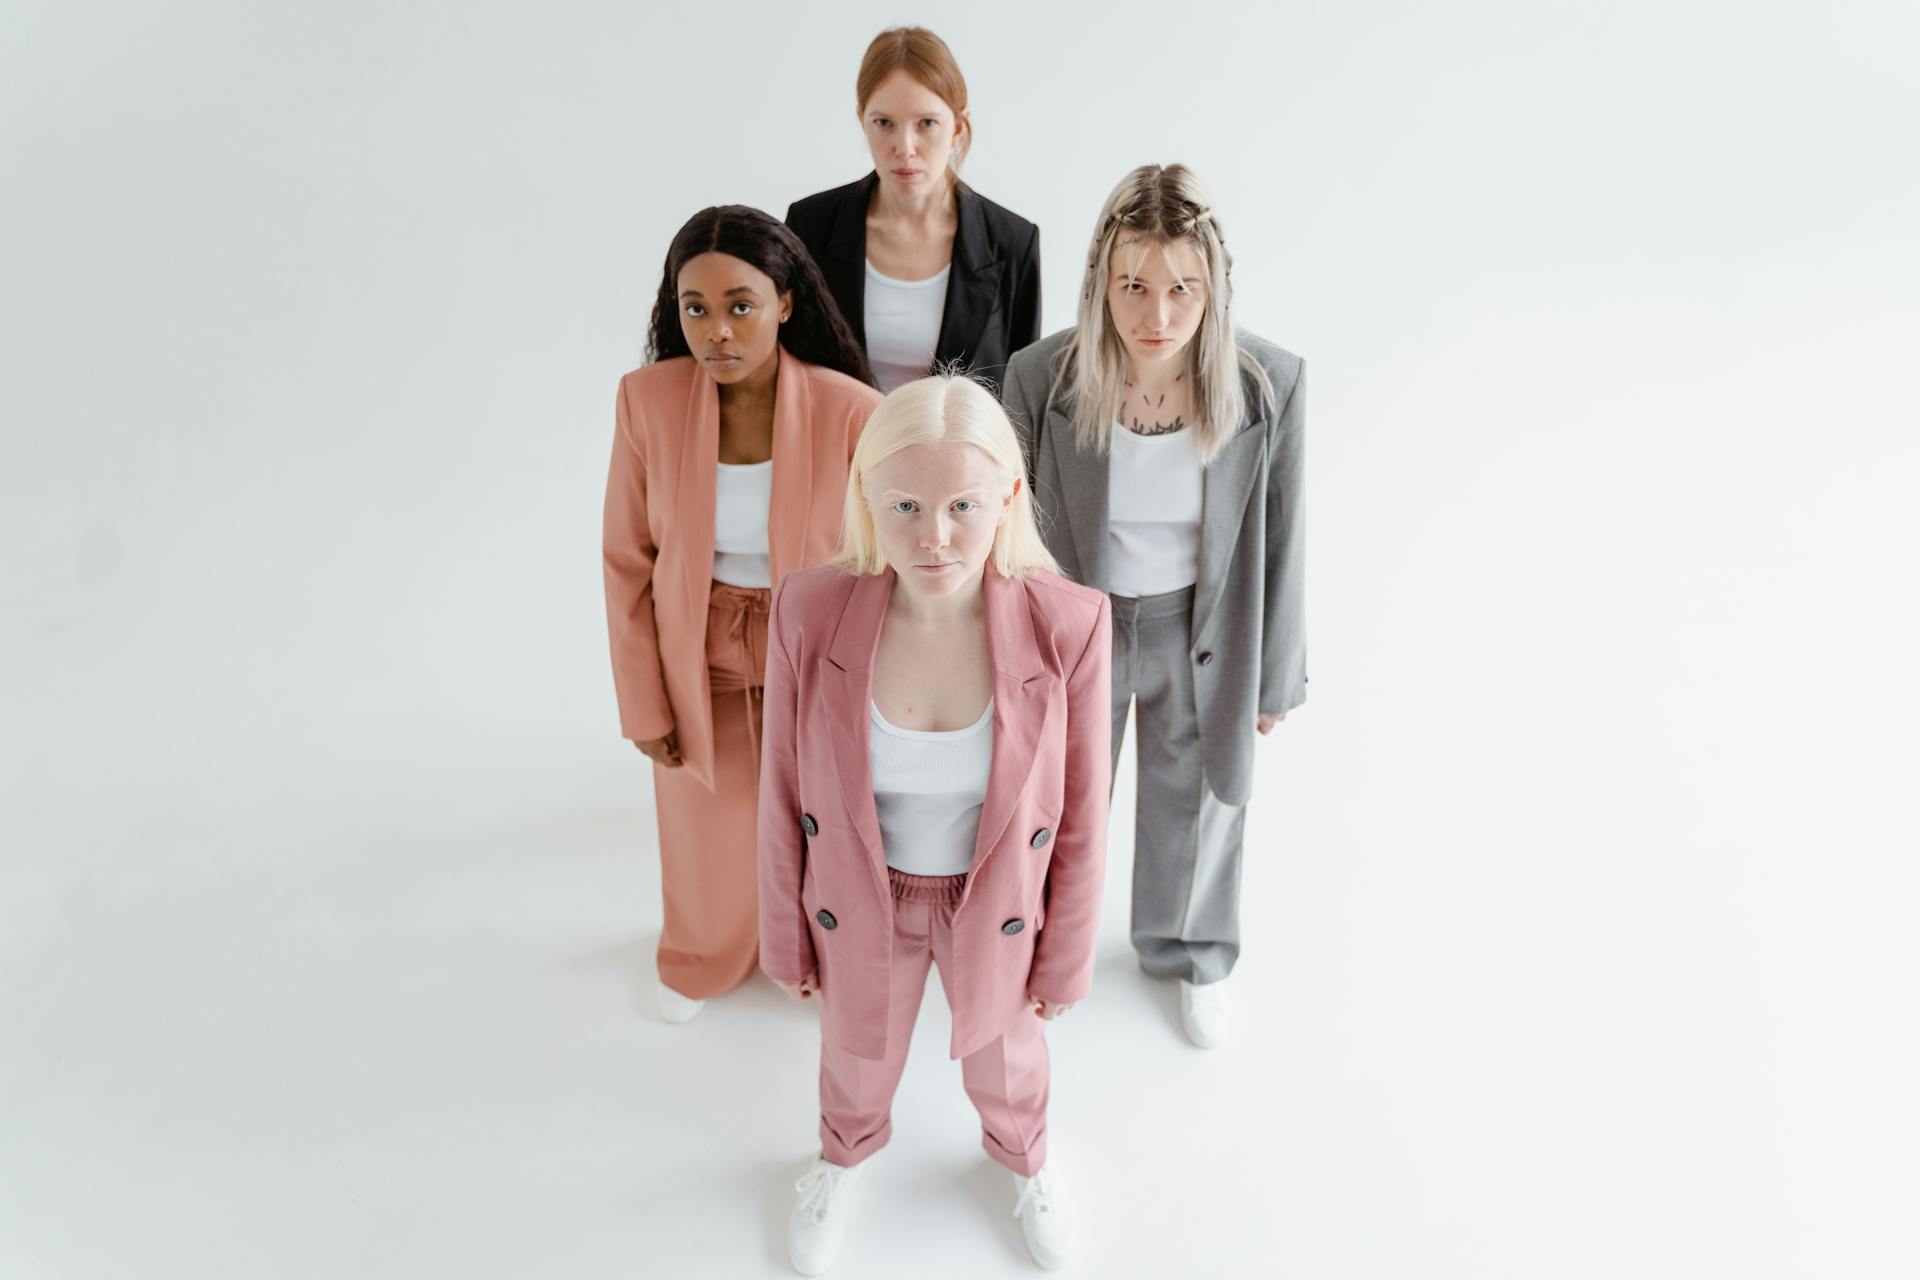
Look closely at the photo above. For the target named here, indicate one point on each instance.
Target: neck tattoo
(1146, 415)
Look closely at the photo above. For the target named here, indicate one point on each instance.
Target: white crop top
(1154, 490)
(741, 494)
(903, 325)
(927, 791)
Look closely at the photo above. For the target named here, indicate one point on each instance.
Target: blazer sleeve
(786, 945)
(805, 225)
(1023, 409)
(1023, 316)
(857, 421)
(1062, 971)
(1283, 635)
(628, 554)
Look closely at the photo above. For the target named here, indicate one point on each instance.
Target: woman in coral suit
(730, 455)
(935, 794)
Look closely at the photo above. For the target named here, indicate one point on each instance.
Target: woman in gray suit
(1164, 449)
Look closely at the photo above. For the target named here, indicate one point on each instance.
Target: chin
(739, 373)
(1159, 353)
(938, 584)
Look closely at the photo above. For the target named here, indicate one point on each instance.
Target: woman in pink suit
(730, 458)
(934, 792)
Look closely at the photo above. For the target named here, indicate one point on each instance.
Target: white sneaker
(819, 1219)
(675, 1007)
(1044, 1218)
(1203, 1012)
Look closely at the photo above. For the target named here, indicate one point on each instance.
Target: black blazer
(993, 295)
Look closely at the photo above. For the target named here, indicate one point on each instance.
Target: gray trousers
(1186, 842)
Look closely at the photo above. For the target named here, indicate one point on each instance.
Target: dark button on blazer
(993, 294)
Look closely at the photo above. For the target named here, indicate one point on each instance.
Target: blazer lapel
(695, 489)
(790, 504)
(1225, 486)
(848, 679)
(1020, 708)
(1082, 497)
(972, 285)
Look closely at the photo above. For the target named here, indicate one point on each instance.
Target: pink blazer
(658, 539)
(1027, 922)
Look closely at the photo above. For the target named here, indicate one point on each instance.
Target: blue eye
(904, 507)
(966, 504)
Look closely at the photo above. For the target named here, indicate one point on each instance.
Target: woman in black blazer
(926, 270)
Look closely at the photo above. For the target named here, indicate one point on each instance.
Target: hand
(801, 990)
(664, 752)
(1046, 1010)
(1265, 723)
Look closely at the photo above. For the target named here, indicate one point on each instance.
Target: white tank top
(927, 791)
(903, 325)
(742, 491)
(1154, 492)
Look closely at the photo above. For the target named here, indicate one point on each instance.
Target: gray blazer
(1249, 646)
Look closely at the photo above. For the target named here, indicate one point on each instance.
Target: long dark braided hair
(816, 331)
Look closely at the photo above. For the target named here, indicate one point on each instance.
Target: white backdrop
(1579, 896)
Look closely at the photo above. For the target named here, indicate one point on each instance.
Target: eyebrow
(902, 493)
(738, 289)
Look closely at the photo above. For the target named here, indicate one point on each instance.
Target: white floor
(1580, 898)
(371, 1020)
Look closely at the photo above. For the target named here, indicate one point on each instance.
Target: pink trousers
(1007, 1080)
(710, 937)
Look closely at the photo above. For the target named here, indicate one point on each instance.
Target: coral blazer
(658, 537)
(1026, 923)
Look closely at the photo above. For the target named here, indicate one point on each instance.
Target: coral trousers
(1006, 1080)
(709, 866)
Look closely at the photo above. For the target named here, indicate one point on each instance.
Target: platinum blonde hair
(1158, 206)
(946, 407)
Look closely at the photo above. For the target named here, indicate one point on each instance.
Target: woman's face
(910, 131)
(935, 510)
(731, 314)
(1157, 297)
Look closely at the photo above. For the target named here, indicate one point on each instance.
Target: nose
(933, 534)
(720, 331)
(1158, 313)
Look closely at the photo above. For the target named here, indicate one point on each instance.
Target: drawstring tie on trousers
(741, 631)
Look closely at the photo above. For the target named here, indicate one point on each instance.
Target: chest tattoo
(1147, 415)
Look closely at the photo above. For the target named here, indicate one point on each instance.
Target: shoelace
(1037, 1194)
(817, 1186)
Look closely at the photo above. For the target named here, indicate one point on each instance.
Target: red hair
(925, 57)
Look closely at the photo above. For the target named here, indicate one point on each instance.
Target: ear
(1006, 504)
(786, 306)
